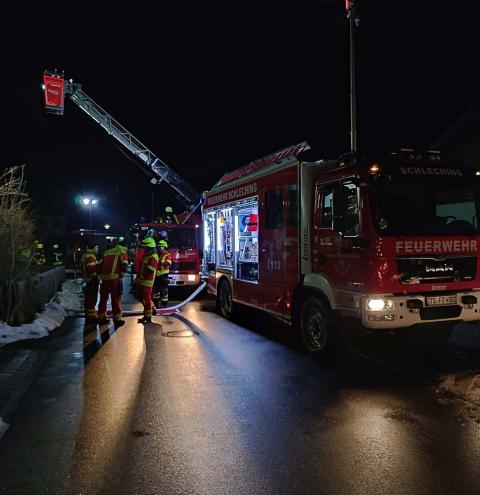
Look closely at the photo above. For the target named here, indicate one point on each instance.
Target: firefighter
(25, 254)
(57, 256)
(39, 258)
(89, 269)
(161, 279)
(146, 277)
(112, 267)
(121, 242)
(169, 216)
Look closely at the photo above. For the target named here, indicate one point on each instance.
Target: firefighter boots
(145, 319)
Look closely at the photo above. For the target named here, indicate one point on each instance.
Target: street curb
(24, 359)
(15, 381)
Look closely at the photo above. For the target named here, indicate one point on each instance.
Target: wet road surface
(195, 404)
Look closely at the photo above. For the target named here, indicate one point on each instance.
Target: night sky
(213, 86)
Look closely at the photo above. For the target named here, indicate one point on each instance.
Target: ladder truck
(185, 254)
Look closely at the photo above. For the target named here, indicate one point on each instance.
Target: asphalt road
(193, 404)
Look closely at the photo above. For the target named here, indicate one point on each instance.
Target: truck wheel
(225, 300)
(314, 328)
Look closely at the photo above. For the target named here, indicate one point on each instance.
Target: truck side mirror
(339, 203)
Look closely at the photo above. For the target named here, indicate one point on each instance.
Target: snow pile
(465, 386)
(70, 296)
(51, 317)
(3, 427)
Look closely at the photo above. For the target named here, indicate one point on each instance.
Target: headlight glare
(376, 304)
(379, 304)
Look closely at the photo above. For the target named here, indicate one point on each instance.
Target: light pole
(352, 15)
(89, 202)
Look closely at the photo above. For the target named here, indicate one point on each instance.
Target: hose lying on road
(164, 311)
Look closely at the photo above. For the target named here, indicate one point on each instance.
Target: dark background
(211, 86)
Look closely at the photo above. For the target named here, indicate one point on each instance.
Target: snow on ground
(463, 386)
(3, 427)
(68, 299)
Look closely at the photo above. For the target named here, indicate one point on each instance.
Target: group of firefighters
(38, 258)
(106, 273)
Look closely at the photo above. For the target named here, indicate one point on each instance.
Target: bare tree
(16, 233)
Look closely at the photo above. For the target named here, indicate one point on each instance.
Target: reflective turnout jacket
(57, 258)
(148, 267)
(164, 264)
(89, 265)
(113, 264)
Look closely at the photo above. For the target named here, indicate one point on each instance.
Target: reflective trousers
(144, 294)
(91, 295)
(110, 288)
(161, 288)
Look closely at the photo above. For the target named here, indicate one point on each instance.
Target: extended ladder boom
(160, 170)
(150, 162)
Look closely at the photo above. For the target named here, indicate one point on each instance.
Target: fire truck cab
(183, 246)
(389, 241)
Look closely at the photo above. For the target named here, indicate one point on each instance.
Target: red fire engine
(388, 242)
(183, 239)
(184, 248)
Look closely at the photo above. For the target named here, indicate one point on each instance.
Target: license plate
(441, 300)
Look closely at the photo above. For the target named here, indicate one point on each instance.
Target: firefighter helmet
(55, 246)
(148, 242)
(163, 243)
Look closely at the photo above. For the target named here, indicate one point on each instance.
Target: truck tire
(313, 326)
(225, 305)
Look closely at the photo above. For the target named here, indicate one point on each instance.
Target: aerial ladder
(56, 88)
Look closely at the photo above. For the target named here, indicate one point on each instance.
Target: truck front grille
(440, 312)
(436, 269)
(182, 266)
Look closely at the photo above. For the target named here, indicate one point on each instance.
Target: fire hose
(165, 311)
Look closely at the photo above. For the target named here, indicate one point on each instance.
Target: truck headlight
(379, 304)
(191, 278)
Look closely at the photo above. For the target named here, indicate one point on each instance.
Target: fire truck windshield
(177, 237)
(426, 209)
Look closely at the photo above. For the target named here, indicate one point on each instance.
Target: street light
(89, 202)
(106, 226)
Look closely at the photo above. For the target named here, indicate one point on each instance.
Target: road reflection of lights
(390, 435)
(111, 383)
(468, 429)
(125, 363)
(198, 384)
